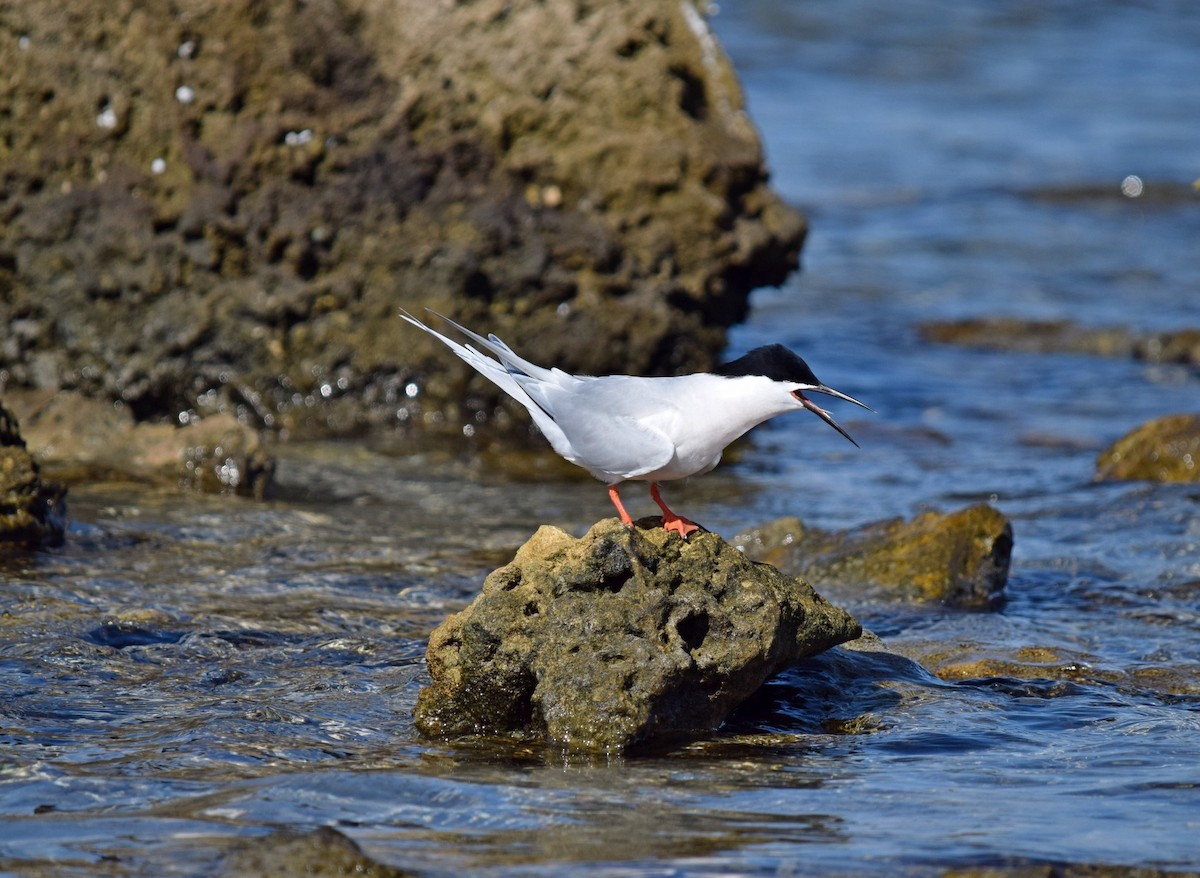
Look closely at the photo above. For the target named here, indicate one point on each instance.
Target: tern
(627, 428)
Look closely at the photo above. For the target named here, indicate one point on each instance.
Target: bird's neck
(736, 405)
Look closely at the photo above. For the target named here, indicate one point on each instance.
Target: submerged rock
(621, 637)
(1030, 336)
(1030, 868)
(959, 558)
(1065, 336)
(223, 210)
(32, 512)
(1056, 667)
(79, 439)
(1163, 450)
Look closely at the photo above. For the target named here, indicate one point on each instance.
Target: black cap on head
(772, 361)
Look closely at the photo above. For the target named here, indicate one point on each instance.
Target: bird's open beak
(824, 415)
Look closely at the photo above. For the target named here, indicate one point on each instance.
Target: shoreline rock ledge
(620, 638)
(33, 512)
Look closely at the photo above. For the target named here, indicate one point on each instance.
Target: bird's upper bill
(798, 393)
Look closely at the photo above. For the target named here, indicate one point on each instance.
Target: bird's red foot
(679, 525)
(672, 522)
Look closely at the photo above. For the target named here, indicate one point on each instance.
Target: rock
(1163, 450)
(1064, 336)
(32, 512)
(322, 852)
(222, 211)
(79, 439)
(619, 638)
(960, 558)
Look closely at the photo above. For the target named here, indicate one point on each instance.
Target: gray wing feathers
(641, 450)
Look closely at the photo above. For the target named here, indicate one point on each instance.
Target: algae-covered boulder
(220, 206)
(32, 512)
(960, 558)
(1163, 450)
(621, 637)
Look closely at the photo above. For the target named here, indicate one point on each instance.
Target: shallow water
(189, 671)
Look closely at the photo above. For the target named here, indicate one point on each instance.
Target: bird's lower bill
(822, 414)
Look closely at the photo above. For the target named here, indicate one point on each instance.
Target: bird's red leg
(616, 501)
(671, 521)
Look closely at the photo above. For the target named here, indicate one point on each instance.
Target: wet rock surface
(322, 852)
(1051, 670)
(959, 558)
(32, 511)
(220, 210)
(1163, 450)
(82, 439)
(619, 638)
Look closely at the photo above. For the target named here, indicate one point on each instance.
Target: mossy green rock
(960, 558)
(622, 637)
(1163, 450)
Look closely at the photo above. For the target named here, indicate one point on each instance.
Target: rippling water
(188, 671)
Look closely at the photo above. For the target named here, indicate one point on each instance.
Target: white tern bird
(622, 427)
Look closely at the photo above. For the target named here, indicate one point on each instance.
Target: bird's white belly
(678, 467)
(690, 459)
(679, 470)
(687, 458)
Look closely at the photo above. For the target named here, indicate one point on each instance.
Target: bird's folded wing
(619, 448)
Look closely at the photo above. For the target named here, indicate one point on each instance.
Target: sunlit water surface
(188, 672)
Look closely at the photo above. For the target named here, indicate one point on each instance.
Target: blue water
(188, 672)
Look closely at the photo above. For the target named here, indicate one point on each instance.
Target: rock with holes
(622, 637)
